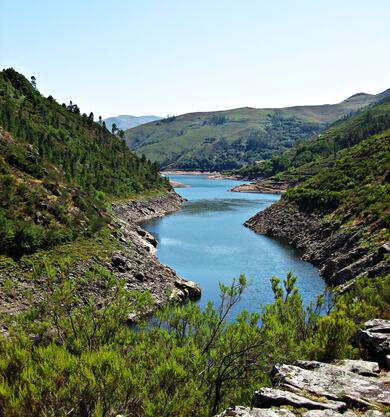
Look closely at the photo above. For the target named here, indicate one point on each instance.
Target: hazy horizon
(152, 58)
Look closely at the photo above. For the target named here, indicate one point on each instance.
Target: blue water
(206, 242)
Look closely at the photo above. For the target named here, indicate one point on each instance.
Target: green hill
(229, 139)
(353, 190)
(307, 157)
(58, 169)
(338, 213)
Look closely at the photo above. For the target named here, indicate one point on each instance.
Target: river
(206, 242)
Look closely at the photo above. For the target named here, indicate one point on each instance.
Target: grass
(232, 138)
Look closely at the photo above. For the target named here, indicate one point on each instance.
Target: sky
(171, 57)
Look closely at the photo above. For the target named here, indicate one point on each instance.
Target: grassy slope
(57, 170)
(308, 157)
(354, 190)
(229, 139)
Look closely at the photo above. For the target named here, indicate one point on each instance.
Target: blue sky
(172, 57)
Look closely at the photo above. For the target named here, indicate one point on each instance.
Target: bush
(83, 359)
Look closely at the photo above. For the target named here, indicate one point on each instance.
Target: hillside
(307, 157)
(226, 140)
(125, 122)
(71, 195)
(340, 215)
(58, 169)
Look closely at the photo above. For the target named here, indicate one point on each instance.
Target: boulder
(177, 295)
(193, 290)
(348, 413)
(365, 368)
(273, 397)
(362, 266)
(239, 411)
(324, 413)
(329, 381)
(150, 238)
(119, 262)
(374, 340)
(374, 413)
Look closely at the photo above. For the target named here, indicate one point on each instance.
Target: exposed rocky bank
(348, 388)
(129, 254)
(137, 263)
(334, 249)
(262, 186)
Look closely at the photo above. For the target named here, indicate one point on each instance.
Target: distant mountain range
(230, 139)
(125, 122)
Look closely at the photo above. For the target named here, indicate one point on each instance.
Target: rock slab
(268, 397)
(374, 341)
(332, 382)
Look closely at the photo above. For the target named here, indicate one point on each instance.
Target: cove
(206, 242)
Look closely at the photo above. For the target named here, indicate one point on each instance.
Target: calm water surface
(206, 242)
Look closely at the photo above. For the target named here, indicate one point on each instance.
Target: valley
(231, 139)
(111, 278)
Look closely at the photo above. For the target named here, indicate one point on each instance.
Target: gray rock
(193, 290)
(378, 325)
(140, 276)
(239, 411)
(322, 413)
(365, 368)
(374, 413)
(374, 340)
(329, 381)
(271, 397)
(349, 413)
(147, 236)
(119, 262)
(151, 239)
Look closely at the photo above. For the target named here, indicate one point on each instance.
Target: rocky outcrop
(262, 186)
(284, 412)
(334, 249)
(270, 397)
(256, 412)
(365, 368)
(128, 252)
(330, 382)
(374, 341)
(176, 184)
(137, 211)
(137, 264)
(316, 389)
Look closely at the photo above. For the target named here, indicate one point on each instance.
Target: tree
(100, 120)
(114, 128)
(34, 82)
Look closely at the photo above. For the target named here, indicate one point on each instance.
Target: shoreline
(333, 249)
(262, 187)
(212, 175)
(183, 172)
(128, 252)
(176, 184)
(147, 272)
